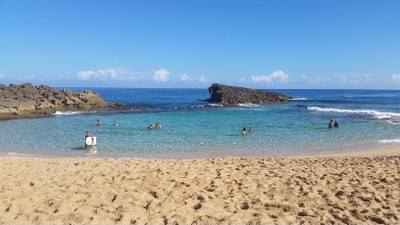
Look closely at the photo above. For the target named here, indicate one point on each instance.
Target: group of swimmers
(158, 125)
(98, 123)
(244, 131)
(332, 124)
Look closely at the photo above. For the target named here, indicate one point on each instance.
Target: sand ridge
(314, 190)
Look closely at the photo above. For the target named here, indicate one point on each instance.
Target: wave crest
(390, 141)
(68, 113)
(374, 113)
(249, 105)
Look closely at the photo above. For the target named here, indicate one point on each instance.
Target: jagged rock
(230, 95)
(25, 100)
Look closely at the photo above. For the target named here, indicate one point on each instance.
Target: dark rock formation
(229, 95)
(26, 100)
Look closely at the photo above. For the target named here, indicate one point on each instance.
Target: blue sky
(169, 43)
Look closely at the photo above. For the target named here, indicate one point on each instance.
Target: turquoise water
(191, 127)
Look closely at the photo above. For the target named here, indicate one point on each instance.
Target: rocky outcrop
(26, 100)
(230, 95)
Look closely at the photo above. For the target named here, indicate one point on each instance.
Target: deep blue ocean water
(194, 128)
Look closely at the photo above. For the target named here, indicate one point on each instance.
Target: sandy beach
(341, 189)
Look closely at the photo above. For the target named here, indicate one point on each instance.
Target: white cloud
(109, 74)
(187, 78)
(2, 76)
(106, 74)
(86, 74)
(276, 76)
(344, 79)
(356, 79)
(315, 80)
(161, 75)
(202, 79)
(367, 78)
(396, 78)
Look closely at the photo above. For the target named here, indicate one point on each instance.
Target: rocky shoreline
(26, 100)
(230, 95)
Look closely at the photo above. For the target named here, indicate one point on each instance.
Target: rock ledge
(26, 100)
(230, 95)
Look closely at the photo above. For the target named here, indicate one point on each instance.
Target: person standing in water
(336, 124)
(243, 131)
(88, 134)
(330, 125)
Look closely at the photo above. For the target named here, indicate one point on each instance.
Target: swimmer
(150, 126)
(158, 125)
(250, 130)
(243, 131)
(98, 122)
(336, 124)
(330, 124)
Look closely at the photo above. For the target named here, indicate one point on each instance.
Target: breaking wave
(68, 113)
(249, 105)
(390, 141)
(214, 105)
(374, 113)
(299, 99)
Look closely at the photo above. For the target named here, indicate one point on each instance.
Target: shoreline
(345, 188)
(354, 150)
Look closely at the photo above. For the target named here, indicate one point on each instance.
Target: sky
(267, 44)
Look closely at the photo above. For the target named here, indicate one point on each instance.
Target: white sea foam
(68, 113)
(12, 153)
(249, 105)
(389, 141)
(393, 122)
(16, 154)
(214, 105)
(374, 113)
(299, 99)
(196, 106)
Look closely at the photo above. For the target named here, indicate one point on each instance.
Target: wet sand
(353, 188)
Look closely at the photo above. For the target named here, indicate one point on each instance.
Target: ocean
(192, 127)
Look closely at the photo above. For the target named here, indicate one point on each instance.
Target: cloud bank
(396, 78)
(276, 77)
(106, 75)
(187, 78)
(315, 80)
(161, 75)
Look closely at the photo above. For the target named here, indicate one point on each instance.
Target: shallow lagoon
(191, 127)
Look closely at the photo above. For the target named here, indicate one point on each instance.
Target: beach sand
(339, 189)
